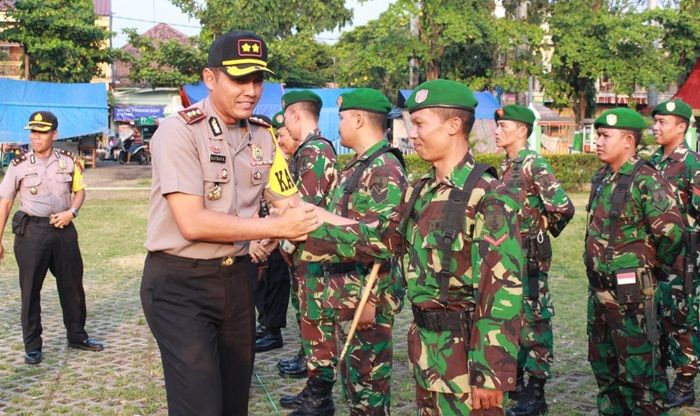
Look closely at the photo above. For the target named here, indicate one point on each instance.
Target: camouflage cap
(441, 93)
(621, 118)
(239, 53)
(673, 108)
(366, 99)
(42, 121)
(278, 120)
(515, 112)
(294, 97)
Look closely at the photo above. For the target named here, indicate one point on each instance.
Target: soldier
(459, 229)
(369, 189)
(313, 167)
(634, 227)
(51, 191)
(544, 207)
(212, 163)
(679, 318)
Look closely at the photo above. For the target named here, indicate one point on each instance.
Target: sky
(144, 14)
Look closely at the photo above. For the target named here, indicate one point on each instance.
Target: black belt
(442, 320)
(226, 261)
(330, 269)
(39, 220)
(601, 281)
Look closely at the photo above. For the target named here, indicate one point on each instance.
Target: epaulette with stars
(259, 121)
(66, 153)
(74, 158)
(192, 115)
(19, 159)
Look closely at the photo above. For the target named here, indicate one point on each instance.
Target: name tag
(217, 158)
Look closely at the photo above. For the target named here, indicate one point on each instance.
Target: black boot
(532, 401)
(319, 401)
(270, 341)
(295, 400)
(682, 393)
(260, 331)
(516, 394)
(296, 368)
(286, 363)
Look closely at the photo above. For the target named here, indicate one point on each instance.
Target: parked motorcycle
(140, 154)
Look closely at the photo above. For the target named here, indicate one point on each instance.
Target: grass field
(126, 378)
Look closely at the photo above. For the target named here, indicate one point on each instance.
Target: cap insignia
(38, 117)
(611, 119)
(249, 47)
(279, 118)
(421, 96)
(670, 106)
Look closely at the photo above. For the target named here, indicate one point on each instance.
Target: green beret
(278, 120)
(366, 99)
(515, 112)
(293, 97)
(673, 108)
(441, 93)
(621, 118)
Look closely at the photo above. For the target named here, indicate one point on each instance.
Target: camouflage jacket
(378, 193)
(485, 274)
(650, 229)
(682, 169)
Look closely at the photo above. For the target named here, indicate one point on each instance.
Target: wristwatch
(75, 212)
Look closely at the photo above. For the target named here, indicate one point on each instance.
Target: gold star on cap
(256, 48)
(245, 47)
(38, 117)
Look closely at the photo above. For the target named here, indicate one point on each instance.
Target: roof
(690, 90)
(160, 32)
(102, 7)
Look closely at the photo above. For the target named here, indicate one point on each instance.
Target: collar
(313, 133)
(369, 152)
(458, 175)
(628, 166)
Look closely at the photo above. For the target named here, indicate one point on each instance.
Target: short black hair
(466, 116)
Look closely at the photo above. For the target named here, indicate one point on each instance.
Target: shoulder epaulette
(66, 153)
(19, 159)
(192, 115)
(259, 121)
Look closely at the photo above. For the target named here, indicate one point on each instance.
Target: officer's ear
(209, 77)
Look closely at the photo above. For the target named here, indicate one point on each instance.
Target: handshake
(296, 219)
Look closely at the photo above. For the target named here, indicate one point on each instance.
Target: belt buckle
(227, 261)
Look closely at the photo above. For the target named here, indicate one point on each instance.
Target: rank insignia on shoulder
(19, 159)
(66, 153)
(259, 121)
(192, 115)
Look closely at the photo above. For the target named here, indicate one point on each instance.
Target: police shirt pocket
(31, 181)
(215, 180)
(259, 175)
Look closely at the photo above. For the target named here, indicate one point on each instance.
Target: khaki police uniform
(45, 187)
(198, 296)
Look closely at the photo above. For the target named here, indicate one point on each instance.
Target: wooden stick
(360, 307)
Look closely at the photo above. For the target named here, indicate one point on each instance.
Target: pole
(360, 307)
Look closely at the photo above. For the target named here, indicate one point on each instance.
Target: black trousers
(272, 293)
(201, 314)
(44, 247)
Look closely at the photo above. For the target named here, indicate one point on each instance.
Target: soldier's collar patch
(192, 115)
(670, 106)
(421, 96)
(215, 126)
(611, 119)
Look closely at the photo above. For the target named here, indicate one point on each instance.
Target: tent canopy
(270, 101)
(690, 90)
(488, 104)
(81, 109)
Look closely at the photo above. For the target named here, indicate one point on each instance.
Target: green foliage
(301, 61)
(163, 63)
(60, 38)
(573, 171)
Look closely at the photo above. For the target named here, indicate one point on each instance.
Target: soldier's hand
(486, 399)
(367, 317)
(257, 251)
(297, 220)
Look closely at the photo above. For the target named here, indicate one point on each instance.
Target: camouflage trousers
(626, 366)
(535, 356)
(433, 403)
(294, 297)
(679, 324)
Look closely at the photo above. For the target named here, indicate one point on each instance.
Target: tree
(60, 37)
(162, 63)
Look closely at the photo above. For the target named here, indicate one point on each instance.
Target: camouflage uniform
(313, 167)
(649, 234)
(484, 280)
(679, 316)
(531, 181)
(367, 367)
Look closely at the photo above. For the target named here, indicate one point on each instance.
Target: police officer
(51, 192)
(313, 167)
(679, 318)
(544, 208)
(464, 260)
(634, 227)
(368, 189)
(212, 163)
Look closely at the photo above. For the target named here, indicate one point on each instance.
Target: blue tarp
(80, 108)
(488, 104)
(270, 101)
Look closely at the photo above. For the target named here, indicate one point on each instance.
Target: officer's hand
(297, 220)
(257, 251)
(486, 399)
(367, 317)
(61, 219)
